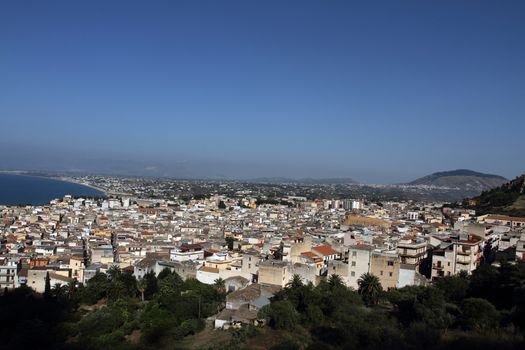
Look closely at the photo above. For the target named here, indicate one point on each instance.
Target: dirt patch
(134, 337)
(209, 337)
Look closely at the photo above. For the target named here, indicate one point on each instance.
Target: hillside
(461, 178)
(508, 199)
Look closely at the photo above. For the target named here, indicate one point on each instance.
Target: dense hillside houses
(255, 248)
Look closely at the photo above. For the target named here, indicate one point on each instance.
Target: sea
(32, 190)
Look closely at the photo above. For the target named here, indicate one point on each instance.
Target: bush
(100, 322)
(478, 314)
(282, 315)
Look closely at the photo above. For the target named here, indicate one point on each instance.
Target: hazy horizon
(126, 166)
(236, 89)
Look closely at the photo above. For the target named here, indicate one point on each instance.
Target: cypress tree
(47, 288)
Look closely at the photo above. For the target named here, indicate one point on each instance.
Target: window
(390, 274)
(353, 263)
(352, 273)
(381, 273)
(354, 253)
(448, 264)
(390, 263)
(249, 266)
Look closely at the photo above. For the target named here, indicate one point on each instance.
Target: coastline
(76, 182)
(59, 178)
(26, 173)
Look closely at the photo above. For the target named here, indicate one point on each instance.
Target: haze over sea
(21, 189)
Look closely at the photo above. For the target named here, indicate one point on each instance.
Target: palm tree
(370, 288)
(58, 291)
(295, 282)
(220, 285)
(114, 272)
(335, 281)
(141, 286)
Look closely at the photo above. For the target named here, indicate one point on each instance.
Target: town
(252, 244)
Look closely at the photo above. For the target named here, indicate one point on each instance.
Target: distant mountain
(463, 179)
(308, 181)
(508, 199)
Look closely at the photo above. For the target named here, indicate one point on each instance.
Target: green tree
(47, 287)
(96, 288)
(281, 314)
(478, 314)
(335, 281)
(370, 288)
(71, 289)
(141, 286)
(164, 273)
(219, 285)
(295, 282)
(454, 288)
(114, 273)
(59, 291)
(122, 285)
(170, 286)
(229, 242)
(152, 286)
(421, 304)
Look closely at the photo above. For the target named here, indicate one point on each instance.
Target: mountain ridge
(461, 178)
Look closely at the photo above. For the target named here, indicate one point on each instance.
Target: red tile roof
(310, 255)
(325, 250)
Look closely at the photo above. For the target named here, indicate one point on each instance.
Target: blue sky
(381, 91)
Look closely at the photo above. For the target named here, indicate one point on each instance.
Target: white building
(9, 275)
(187, 252)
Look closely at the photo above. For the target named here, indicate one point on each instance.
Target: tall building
(454, 254)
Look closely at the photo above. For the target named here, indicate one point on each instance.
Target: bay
(23, 190)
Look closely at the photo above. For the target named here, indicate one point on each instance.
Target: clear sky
(380, 91)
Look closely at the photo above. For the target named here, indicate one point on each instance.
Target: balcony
(411, 253)
(437, 267)
(463, 259)
(463, 262)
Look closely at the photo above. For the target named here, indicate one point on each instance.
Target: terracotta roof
(325, 250)
(310, 255)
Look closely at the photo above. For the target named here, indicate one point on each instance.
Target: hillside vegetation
(508, 199)
(114, 311)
